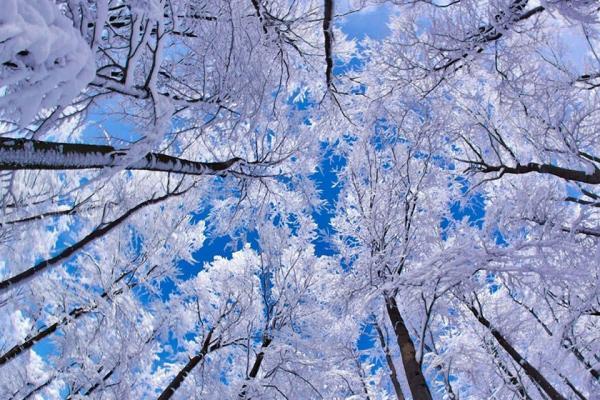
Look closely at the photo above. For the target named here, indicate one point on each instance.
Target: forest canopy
(247, 199)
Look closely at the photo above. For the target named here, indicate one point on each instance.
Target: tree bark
(256, 5)
(259, 358)
(513, 381)
(328, 37)
(560, 172)
(191, 364)
(69, 251)
(256, 366)
(566, 341)
(74, 314)
(529, 369)
(26, 154)
(390, 363)
(414, 375)
(29, 343)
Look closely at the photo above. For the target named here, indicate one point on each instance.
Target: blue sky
(371, 22)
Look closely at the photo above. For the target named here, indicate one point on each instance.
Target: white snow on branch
(44, 61)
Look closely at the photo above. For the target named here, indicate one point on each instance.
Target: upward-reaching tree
(521, 132)
(146, 57)
(386, 219)
(413, 217)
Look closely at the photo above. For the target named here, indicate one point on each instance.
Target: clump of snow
(44, 61)
(584, 11)
(152, 9)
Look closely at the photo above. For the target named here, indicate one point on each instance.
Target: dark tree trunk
(529, 369)
(26, 154)
(328, 37)
(256, 366)
(513, 380)
(256, 5)
(30, 342)
(189, 367)
(414, 375)
(259, 358)
(74, 314)
(564, 173)
(69, 251)
(390, 363)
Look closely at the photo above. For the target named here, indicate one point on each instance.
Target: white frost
(44, 61)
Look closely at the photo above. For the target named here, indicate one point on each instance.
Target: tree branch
(26, 154)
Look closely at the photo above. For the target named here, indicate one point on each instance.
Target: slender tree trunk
(564, 173)
(513, 380)
(361, 376)
(414, 375)
(529, 369)
(259, 358)
(256, 5)
(184, 372)
(38, 388)
(256, 366)
(567, 343)
(69, 251)
(74, 314)
(390, 363)
(95, 386)
(25, 154)
(69, 211)
(328, 38)
(30, 342)
(573, 387)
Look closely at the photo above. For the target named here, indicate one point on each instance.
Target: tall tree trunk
(256, 366)
(573, 387)
(414, 375)
(390, 363)
(328, 37)
(24, 154)
(97, 233)
(31, 341)
(362, 378)
(185, 371)
(566, 342)
(529, 369)
(74, 314)
(513, 381)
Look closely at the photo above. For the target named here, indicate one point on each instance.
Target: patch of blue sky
(45, 348)
(169, 352)
(573, 190)
(106, 126)
(371, 22)
(64, 240)
(492, 283)
(366, 339)
(386, 135)
(326, 182)
(366, 344)
(471, 206)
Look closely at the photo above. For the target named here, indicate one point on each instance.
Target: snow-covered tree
(454, 255)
